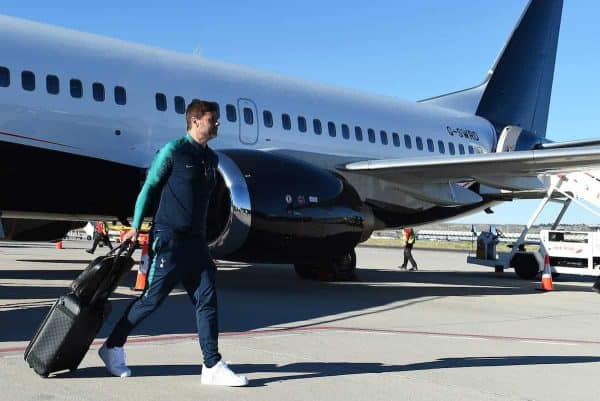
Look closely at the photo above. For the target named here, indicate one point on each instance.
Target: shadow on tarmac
(261, 296)
(309, 370)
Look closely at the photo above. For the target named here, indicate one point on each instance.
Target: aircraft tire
(344, 267)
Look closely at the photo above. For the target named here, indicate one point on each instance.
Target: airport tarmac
(450, 331)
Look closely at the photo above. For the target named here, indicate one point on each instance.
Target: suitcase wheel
(43, 375)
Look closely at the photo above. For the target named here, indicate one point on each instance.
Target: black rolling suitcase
(65, 335)
(71, 325)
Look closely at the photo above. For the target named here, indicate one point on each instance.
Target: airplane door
(248, 121)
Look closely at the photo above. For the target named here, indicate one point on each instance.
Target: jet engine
(278, 209)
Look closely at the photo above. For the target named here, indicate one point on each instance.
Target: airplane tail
(518, 87)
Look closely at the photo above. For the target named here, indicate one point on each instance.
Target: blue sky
(409, 49)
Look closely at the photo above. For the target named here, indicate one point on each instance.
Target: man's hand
(131, 235)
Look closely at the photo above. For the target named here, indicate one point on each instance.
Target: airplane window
(371, 134)
(248, 116)
(231, 113)
(98, 91)
(419, 143)
(471, 151)
(4, 77)
(451, 148)
(179, 105)
(161, 101)
(120, 95)
(384, 138)
(396, 139)
(358, 133)
(430, 146)
(441, 147)
(407, 141)
(331, 128)
(345, 131)
(461, 149)
(286, 121)
(302, 124)
(76, 88)
(52, 84)
(267, 118)
(317, 126)
(28, 80)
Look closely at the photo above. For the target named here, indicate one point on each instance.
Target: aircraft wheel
(344, 267)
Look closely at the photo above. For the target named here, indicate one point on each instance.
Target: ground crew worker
(409, 241)
(181, 178)
(100, 234)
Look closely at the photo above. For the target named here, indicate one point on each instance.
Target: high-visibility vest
(409, 236)
(101, 228)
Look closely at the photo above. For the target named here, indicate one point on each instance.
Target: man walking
(100, 235)
(181, 179)
(409, 241)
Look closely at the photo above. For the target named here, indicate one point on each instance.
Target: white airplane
(307, 171)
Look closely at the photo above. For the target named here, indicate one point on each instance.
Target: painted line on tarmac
(307, 329)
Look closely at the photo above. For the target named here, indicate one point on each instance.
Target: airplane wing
(436, 178)
(507, 164)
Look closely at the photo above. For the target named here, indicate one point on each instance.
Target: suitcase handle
(129, 246)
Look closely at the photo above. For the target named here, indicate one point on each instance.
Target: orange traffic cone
(546, 284)
(140, 280)
(59, 245)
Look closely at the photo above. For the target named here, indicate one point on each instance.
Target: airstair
(582, 188)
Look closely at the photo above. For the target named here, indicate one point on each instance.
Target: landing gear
(344, 267)
(341, 268)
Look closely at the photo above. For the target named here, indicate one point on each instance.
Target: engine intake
(272, 208)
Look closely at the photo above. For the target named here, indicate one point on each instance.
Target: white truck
(573, 252)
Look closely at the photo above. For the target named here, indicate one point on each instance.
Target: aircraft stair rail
(581, 186)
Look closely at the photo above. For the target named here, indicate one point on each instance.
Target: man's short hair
(197, 108)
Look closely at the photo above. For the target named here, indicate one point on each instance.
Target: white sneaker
(114, 360)
(221, 375)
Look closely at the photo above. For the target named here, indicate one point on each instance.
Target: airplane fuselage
(54, 101)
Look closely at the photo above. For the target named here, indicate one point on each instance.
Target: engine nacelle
(271, 208)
